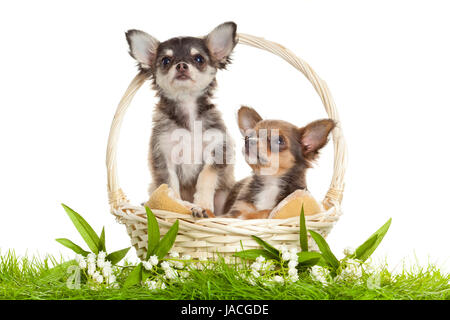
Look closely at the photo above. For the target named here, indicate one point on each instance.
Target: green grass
(34, 278)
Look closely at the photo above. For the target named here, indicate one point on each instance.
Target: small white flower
(293, 272)
(82, 264)
(79, 258)
(349, 251)
(100, 263)
(353, 262)
(278, 279)
(352, 271)
(151, 285)
(184, 274)
(292, 264)
(200, 266)
(270, 266)
(178, 264)
(154, 285)
(255, 273)
(251, 281)
(165, 265)
(286, 255)
(191, 267)
(153, 260)
(102, 255)
(107, 272)
(91, 268)
(293, 278)
(187, 257)
(147, 265)
(174, 255)
(320, 274)
(97, 277)
(256, 266)
(171, 274)
(260, 259)
(107, 264)
(111, 279)
(91, 258)
(354, 266)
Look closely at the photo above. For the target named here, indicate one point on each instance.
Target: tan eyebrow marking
(168, 52)
(194, 51)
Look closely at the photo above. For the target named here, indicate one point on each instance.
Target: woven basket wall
(205, 238)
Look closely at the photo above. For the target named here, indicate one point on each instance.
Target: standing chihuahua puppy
(279, 154)
(190, 149)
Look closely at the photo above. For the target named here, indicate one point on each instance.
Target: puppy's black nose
(182, 67)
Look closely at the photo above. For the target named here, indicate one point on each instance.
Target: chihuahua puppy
(190, 149)
(279, 154)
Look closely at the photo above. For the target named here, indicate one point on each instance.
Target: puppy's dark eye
(199, 59)
(279, 140)
(165, 61)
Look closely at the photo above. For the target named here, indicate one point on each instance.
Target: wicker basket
(204, 238)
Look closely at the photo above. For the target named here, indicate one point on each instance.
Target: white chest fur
(187, 149)
(189, 107)
(266, 198)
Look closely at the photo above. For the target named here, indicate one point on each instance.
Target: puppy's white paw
(199, 212)
(203, 201)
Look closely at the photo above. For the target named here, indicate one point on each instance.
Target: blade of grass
(324, 248)
(308, 258)
(252, 254)
(273, 251)
(69, 244)
(116, 256)
(361, 251)
(102, 243)
(380, 233)
(85, 230)
(167, 241)
(303, 232)
(134, 277)
(153, 234)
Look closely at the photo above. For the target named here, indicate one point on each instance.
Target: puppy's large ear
(247, 118)
(314, 137)
(142, 47)
(221, 42)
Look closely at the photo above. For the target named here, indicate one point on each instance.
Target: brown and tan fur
(278, 171)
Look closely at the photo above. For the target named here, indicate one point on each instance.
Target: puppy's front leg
(206, 187)
(245, 210)
(174, 182)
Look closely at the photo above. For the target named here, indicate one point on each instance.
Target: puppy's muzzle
(182, 71)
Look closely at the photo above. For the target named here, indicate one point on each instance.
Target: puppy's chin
(182, 83)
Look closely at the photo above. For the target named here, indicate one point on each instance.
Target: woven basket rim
(333, 198)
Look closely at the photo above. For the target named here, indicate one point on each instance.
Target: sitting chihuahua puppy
(279, 154)
(185, 121)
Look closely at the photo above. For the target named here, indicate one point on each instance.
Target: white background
(64, 66)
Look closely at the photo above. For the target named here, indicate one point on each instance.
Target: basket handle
(336, 189)
(115, 193)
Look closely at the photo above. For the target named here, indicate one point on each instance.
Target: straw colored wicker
(204, 238)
